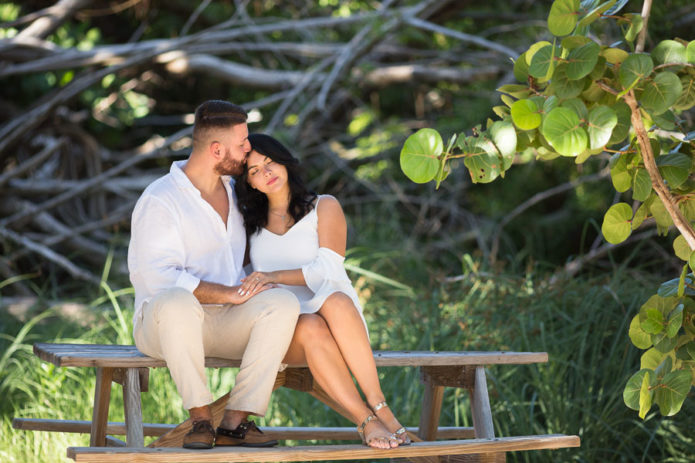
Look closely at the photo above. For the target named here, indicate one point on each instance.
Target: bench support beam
(100, 413)
(133, 408)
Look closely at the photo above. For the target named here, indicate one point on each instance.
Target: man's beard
(229, 166)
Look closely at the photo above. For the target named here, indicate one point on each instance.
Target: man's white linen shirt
(178, 239)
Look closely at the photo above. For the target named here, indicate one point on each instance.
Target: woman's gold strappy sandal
(360, 430)
(400, 434)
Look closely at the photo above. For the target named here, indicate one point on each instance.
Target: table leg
(431, 410)
(133, 409)
(100, 413)
(482, 416)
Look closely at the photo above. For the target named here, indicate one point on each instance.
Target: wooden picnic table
(128, 367)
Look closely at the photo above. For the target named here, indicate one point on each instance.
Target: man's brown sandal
(201, 436)
(246, 434)
(400, 434)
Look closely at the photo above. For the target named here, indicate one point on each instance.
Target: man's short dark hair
(216, 114)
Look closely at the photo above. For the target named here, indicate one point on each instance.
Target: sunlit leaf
(614, 55)
(620, 176)
(681, 248)
(640, 215)
(602, 120)
(504, 137)
(563, 17)
(690, 52)
(525, 114)
(419, 156)
(635, 67)
(669, 51)
(661, 216)
(645, 396)
(661, 92)
(654, 321)
(635, 26)
(651, 359)
(616, 226)
(562, 129)
(631, 393)
(638, 336)
(483, 163)
(581, 61)
(574, 41)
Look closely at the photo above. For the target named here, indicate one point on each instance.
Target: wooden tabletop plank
(320, 452)
(124, 356)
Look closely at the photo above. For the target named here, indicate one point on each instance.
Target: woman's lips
(271, 181)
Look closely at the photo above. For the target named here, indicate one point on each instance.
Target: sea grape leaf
(661, 92)
(631, 393)
(636, 24)
(635, 67)
(681, 248)
(563, 131)
(670, 394)
(621, 178)
(419, 156)
(525, 114)
(542, 62)
(674, 167)
(563, 86)
(563, 17)
(641, 185)
(600, 124)
(654, 321)
(686, 100)
(669, 51)
(616, 225)
(638, 336)
(581, 61)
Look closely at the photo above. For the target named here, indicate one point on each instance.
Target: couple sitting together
(193, 299)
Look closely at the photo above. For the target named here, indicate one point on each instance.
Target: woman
(298, 239)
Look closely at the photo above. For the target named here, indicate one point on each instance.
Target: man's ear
(215, 149)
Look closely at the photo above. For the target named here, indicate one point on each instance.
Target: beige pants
(175, 327)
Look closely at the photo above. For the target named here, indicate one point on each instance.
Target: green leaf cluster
(664, 326)
(577, 98)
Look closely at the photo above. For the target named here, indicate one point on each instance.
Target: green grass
(581, 323)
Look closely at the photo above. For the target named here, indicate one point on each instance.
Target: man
(186, 264)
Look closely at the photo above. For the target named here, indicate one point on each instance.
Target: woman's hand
(252, 283)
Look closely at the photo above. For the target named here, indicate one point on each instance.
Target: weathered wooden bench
(127, 366)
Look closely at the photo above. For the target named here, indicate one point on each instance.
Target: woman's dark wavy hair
(253, 204)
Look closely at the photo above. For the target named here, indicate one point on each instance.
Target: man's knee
(281, 303)
(175, 304)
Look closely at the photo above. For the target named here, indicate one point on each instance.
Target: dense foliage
(576, 99)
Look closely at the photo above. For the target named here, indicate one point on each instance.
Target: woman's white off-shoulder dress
(299, 248)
